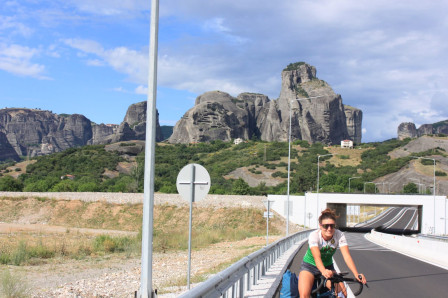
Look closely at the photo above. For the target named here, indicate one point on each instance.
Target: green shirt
(327, 248)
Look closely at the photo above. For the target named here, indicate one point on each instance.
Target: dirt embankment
(118, 275)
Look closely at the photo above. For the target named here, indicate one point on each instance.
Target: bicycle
(320, 290)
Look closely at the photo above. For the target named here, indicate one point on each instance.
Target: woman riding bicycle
(319, 256)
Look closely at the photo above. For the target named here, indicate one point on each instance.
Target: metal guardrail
(238, 279)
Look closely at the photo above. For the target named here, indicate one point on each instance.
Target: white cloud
(122, 59)
(14, 27)
(216, 25)
(16, 59)
(141, 90)
(112, 7)
(85, 45)
(95, 62)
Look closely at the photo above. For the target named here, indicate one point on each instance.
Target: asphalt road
(395, 218)
(389, 274)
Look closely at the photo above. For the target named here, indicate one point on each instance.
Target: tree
(8, 183)
(410, 188)
(66, 185)
(240, 187)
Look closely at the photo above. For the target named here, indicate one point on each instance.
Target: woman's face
(327, 228)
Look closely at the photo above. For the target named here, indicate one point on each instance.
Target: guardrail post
(242, 287)
(256, 273)
(248, 280)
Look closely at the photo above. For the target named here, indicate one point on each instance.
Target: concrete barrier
(427, 250)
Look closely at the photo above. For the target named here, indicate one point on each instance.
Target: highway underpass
(429, 211)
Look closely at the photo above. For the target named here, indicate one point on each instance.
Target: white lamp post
(148, 197)
(433, 191)
(378, 187)
(349, 182)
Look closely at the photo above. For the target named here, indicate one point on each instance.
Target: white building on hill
(347, 144)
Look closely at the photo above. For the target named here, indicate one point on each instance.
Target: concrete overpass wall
(304, 210)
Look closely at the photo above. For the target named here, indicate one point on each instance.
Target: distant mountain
(318, 114)
(409, 130)
(33, 132)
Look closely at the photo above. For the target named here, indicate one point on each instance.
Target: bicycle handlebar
(336, 278)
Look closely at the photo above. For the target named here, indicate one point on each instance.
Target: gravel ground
(121, 277)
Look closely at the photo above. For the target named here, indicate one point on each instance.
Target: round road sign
(193, 182)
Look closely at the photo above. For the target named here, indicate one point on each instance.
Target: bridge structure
(305, 210)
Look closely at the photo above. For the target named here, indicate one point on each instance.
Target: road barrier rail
(237, 279)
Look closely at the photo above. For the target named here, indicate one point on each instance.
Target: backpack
(290, 285)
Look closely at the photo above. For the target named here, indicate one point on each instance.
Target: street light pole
(419, 184)
(349, 182)
(317, 203)
(148, 196)
(433, 191)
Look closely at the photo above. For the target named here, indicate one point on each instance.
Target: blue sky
(388, 58)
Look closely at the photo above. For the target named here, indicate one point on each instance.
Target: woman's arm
(351, 265)
(319, 264)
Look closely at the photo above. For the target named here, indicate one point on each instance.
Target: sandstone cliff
(318, 114)
(33, 132)
(409, 130)
(133, 126)
(406, 130)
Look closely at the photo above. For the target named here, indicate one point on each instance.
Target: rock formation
(318, 114)
(406, 130)
(409, 130)
(133, 126)
(217, 115)
(354, 123)
(32, 132)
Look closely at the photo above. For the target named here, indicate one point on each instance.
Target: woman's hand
(361, 278)
(327, 273)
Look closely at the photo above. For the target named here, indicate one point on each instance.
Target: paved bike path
(391, 274)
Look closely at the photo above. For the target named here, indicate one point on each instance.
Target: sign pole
(190, 223)
(193, 184)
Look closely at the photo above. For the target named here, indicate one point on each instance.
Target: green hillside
(249, 168)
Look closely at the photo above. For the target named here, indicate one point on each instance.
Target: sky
(387, 58)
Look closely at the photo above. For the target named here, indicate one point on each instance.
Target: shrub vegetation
(88, 166)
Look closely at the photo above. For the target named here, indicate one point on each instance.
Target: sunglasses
(326, 226)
